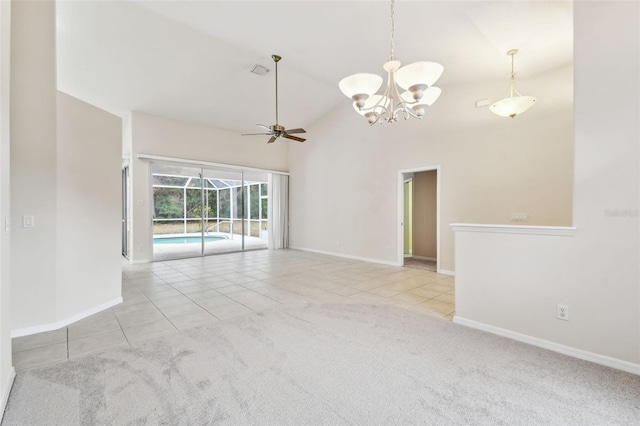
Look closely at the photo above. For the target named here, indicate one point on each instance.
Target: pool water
(184, 240)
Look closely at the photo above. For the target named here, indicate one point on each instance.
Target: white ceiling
(190, 60)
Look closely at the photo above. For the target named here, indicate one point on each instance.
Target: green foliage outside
(167, 203)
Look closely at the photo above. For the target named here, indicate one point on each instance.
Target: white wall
(88, 216)
(65, 171)
(7, 372)
(344, 178)
(33, 162)
(171, 138)
(513, 282)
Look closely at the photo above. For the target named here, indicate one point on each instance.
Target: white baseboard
(65, 322)
(618, 364)
(6, 390)
(139, 261)
(432, 259)
(446, 272)
(346, 256)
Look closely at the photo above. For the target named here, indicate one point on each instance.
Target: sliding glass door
(203, 211)
(223, 198)
(177, 211)
(255, 222)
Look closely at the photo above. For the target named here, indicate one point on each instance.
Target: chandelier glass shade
(409, 91)
(514, 103)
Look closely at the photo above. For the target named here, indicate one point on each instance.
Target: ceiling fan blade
(295, 131)
(273, 138)
(262, 125)
(255, 134)
(293, 138)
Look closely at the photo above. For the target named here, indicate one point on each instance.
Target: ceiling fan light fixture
(416, 78)
(514, 103)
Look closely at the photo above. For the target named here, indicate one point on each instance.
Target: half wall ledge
(564, 231)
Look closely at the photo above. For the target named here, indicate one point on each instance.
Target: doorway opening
(419, 214)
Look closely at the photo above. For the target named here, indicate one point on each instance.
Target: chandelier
(512, 105)
(415, 80)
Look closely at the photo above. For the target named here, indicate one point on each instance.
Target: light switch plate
(28, 222)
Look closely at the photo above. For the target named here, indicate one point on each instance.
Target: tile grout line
(121, 328)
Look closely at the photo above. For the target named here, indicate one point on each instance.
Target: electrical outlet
(140, 248)
(519, 217)
(562, 312)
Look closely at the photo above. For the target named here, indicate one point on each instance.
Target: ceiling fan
(276, 130)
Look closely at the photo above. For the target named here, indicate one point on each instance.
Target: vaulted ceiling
(191, 60)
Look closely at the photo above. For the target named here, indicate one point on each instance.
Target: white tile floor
(166, 297)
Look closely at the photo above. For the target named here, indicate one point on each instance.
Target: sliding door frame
(202, 166)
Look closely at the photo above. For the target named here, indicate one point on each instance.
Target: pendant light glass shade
(514, 103)
(418, 77)
(510, 107)
(360, 86)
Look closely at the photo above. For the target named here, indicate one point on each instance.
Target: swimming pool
(184, 240)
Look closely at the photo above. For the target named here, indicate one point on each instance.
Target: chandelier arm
(379, 116)
(403, 105)
(407, 111)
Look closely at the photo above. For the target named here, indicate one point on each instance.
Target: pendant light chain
(393, 54)
(512, 76)
(513, 73)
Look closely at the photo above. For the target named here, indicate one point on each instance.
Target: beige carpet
(326, 365)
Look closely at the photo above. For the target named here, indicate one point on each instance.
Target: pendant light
(514, 103)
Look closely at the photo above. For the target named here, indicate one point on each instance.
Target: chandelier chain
(393, 55)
